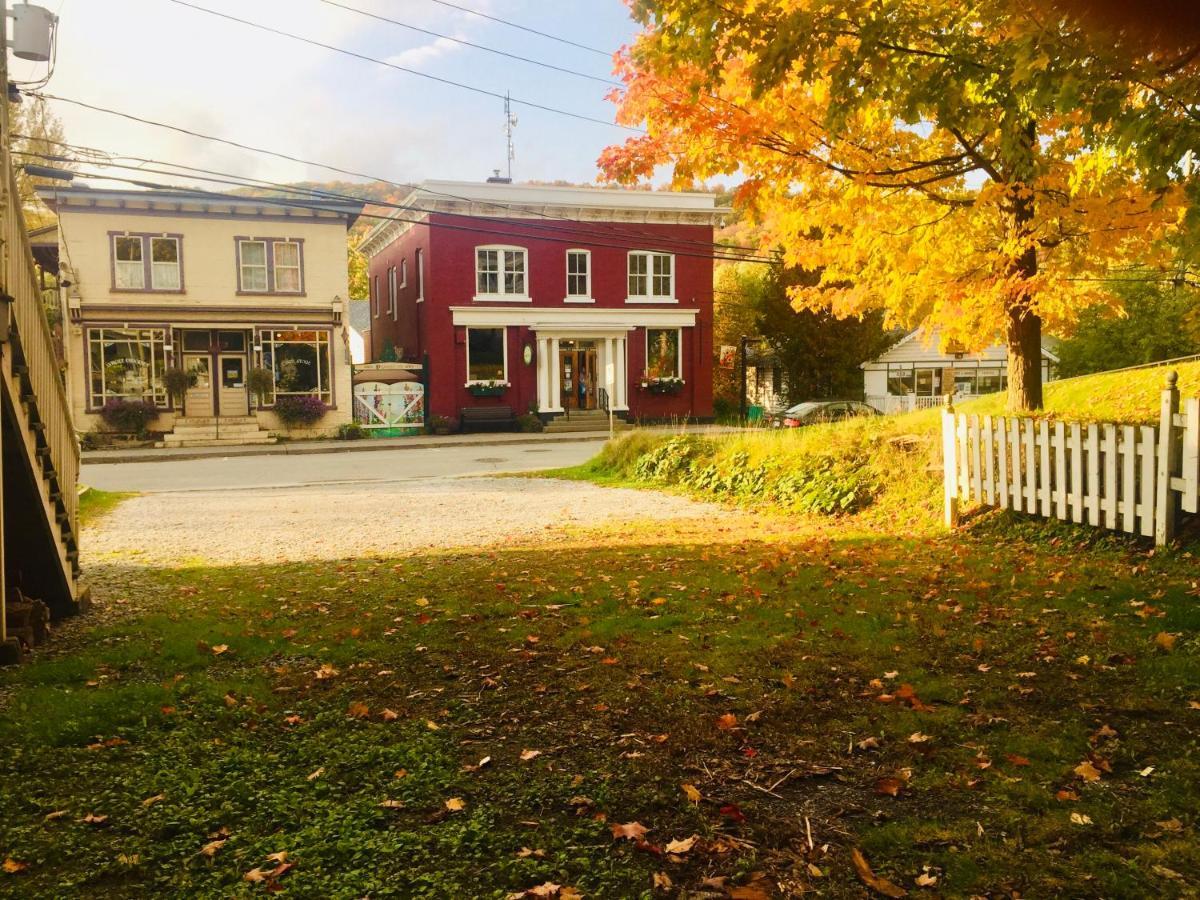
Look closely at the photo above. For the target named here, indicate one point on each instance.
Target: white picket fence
(1131, 478)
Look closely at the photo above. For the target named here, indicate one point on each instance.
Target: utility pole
(5, 306)
(510, 122)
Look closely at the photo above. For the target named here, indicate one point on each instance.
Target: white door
(234, 399)
(199, 398)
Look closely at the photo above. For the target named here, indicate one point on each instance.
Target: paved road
(350, 468)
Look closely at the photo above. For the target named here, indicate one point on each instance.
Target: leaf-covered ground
(746, 710)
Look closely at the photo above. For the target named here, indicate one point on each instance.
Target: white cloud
(414, 57)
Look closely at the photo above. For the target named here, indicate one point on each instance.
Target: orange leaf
(692, 793)
(12, 867)
(873, 881)
(889, 787)
(1087, 771)
(358, 710)
(633, 831)
(727, 722)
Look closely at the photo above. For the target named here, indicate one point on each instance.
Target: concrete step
(215, 430)
(262, 437)
(215, 420)
(561, 426)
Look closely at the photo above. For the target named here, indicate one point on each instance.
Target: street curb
(333, 447)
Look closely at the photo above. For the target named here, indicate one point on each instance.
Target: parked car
(821, 411)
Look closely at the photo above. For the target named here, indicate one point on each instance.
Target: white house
(916, 374)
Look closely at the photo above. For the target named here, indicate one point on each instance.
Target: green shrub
(351, 431)
(529, 423)
(261, 383)
(129, 416)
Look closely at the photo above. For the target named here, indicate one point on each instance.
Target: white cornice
(556, 318)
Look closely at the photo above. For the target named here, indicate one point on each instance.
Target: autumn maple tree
(974, 167)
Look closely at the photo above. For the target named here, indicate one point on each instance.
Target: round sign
(528, 354)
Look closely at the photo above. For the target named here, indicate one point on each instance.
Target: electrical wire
(383, 62)
(466, 43)
(552, 37)
(403, 186)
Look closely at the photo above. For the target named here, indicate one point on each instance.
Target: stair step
(216, 420)
(262, 437)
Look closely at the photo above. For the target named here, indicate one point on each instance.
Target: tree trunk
(1024, 327)
(1024, 339)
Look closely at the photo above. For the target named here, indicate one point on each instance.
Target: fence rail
(1131, 478)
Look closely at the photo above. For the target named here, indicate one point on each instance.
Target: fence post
(1168, 462)
(950, 463)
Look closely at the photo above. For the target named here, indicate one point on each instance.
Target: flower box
(490, 389)
(663, 385)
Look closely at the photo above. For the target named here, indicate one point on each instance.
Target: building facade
(549, 299)
(915, 373)
(217, 287)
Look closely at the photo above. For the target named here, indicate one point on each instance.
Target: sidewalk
(413, 442)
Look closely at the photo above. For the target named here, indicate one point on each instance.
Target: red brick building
(549, 299)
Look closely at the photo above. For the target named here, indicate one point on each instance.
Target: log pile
(27, 619)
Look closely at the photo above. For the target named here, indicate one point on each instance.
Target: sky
(166, 62)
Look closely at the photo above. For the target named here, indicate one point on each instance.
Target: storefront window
(662, 353)
(127, 363)
(901, 382)
(486, 359)
(299, 361)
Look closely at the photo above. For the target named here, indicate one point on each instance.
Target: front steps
(211, 431)
(583, 421)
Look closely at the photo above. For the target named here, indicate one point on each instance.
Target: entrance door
(578, 374)
(199, 398)
(234, 400)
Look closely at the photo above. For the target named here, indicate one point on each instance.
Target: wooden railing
(44, 411)
(1131, 478)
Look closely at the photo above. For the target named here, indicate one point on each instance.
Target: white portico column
(622, 374)
(543, 375)
(610, 372)
(555, 378)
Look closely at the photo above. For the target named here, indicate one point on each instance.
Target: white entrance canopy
(608, 327)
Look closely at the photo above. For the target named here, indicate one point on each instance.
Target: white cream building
(214, 286)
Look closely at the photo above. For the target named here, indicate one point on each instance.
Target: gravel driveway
(336, 521)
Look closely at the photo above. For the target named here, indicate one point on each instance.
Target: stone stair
(211, 431)
(582, 421)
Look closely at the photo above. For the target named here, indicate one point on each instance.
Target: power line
(466, 43)
(312, 204)
(628, 243)
(348, 172)
(552, 37)
(383, 62)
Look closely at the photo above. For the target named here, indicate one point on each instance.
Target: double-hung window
(146, 262)
(270, 266)
(375, 296)
(420, 275)
(391, 307)
(500, 273)
(651, 277)
(404, 273)
(579, 276)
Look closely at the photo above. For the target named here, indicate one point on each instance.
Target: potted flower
(487, 388)
(261, 382)
(438, 425)
(303, 409)
(668, 385)
(177, 381)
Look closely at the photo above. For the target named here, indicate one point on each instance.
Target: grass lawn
(95, 505)
(974, 714)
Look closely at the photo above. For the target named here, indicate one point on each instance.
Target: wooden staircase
(39, 452)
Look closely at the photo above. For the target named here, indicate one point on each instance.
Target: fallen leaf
(421, 601)
(918, 737)
(1087, 771)
(358, 710)
(93, 819)
(691, 792)
(1165, 641)
(748, 892)
(727, 722)
(392, 804)
(150, 801)
(662, 881)
(280, 857)
(1064, 794)
(255, 875)
(219, 649)
(55, 816)
(633, 831)
(527, 755)
(889, 787)
(313, 776)
(870, 743)
(12, 867)
(456, 804)
(547, 889)
(432, 725)
(390, 715)
(1016, 760)
(873, 881)
(1080, 819)
(682, 846)
(926, 880)
(1145, 773)
(210, 849)
(732, 811)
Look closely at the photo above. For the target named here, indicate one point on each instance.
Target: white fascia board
(548, 318)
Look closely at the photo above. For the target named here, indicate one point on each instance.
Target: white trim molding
(545, 318)
(501, 272)
(504, 346)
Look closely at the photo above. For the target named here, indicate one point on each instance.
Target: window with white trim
(579, 274)
(391, 307)
(500, 272)
(664, 357)
(144, 262)
(126, 364)
(404, 273)
(651, 276)
(252, 266)
(375, 296)
(287, 267)
(487, 355)
(420, 274)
